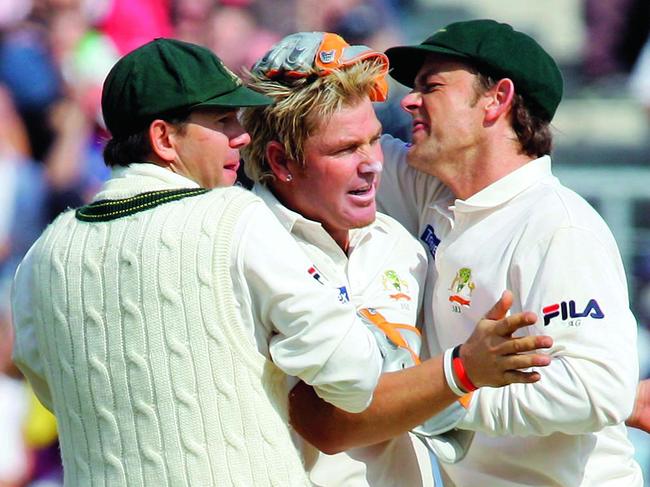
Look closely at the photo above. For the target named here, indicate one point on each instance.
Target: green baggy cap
(167, 76)
(497, 50)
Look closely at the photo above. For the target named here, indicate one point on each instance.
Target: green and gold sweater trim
(106, 210)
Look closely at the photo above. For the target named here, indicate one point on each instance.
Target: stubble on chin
(420, 159)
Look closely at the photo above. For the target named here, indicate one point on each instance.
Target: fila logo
(568, 310)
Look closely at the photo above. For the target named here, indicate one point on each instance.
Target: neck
(341, 237)
(482, 167)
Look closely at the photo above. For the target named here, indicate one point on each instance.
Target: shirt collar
(507, 187)
(291, 219)
(287, 217)
(140, 178)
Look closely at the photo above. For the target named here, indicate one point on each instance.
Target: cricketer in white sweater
(129, 330)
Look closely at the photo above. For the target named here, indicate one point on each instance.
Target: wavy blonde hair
(300, 106)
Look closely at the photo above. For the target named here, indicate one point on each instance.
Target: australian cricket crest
(233, 77)
(460, 291)
(398, 288)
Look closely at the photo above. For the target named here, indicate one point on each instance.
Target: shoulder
(391, 225)
(561, 207)
(398, 233)
(233, 200)
(553, 211)
(231, 193)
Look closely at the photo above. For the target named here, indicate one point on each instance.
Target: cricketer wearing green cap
(161, 321)
(476, 187)
(167, 76)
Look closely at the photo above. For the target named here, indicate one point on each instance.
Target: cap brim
(356, 54)
(406, 61)
(239, 97)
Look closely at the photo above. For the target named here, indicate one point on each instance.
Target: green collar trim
(107, 210)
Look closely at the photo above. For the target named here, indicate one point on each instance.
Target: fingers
(501, 307)
(519, 377)
(514, 362)
(509, 325)
(524, 344)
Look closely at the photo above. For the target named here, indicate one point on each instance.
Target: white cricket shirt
(528, 233)
(385, 269)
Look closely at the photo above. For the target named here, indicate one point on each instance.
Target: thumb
(501, 307)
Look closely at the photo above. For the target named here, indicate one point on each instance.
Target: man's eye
(225, 118)
(430, 87)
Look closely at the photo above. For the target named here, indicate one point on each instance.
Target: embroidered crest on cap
(327, 57)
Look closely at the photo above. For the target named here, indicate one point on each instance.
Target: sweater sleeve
(313, 334)
(26, 354)
(576, 284)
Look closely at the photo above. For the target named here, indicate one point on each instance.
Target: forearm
(405, 399)
(401, 401)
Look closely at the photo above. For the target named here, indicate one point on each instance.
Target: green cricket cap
(496, 49)
(166, 76)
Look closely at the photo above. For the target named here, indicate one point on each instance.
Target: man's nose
(371, 166)
(240, 140)
(412, 101)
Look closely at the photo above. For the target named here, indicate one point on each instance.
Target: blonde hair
(300, 106)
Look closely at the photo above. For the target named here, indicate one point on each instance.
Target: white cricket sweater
(153, 377)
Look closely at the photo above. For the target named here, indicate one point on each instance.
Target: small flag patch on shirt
(313, 272)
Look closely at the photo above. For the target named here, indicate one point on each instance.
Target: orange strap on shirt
(391, 330)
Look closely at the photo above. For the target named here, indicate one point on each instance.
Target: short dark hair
(532, 129)
(136, 148)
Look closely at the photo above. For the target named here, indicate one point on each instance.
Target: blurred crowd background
(54, 55)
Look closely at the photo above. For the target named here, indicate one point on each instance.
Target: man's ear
(501, 95)
(277, 160)
(161, 136)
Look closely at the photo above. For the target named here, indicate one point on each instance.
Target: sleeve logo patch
(568, 313)
(344, 297)
(430, 239)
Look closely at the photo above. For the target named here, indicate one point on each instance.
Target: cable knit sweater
(153, 379)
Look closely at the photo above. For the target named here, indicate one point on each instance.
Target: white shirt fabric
(361, 278)
(293, 320)
(528, 233)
